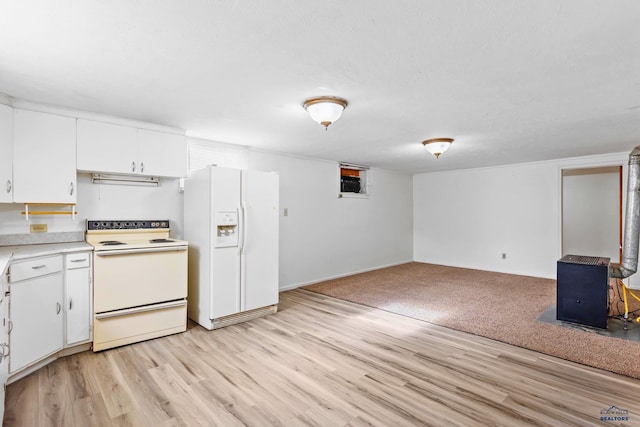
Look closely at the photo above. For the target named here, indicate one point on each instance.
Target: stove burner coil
(160, 241)
(111, 243)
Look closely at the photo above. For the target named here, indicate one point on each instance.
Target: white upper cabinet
(44, 158)
(162, 154)
(6, 154)
(104, 147)
(109, 148)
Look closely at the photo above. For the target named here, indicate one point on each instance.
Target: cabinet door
(36, 318)
(104, 147)
(6, 156)
(4, 348)
(78, 305)
(162, 154)
(44, 158)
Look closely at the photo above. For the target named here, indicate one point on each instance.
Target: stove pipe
(632, 221)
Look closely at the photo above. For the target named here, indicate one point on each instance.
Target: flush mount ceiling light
(437, 146)
(325, 109)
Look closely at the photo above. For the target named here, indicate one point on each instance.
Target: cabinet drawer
(133, 325)
(77, 260)
(24, 270)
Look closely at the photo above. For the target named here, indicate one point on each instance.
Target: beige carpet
(500, 306)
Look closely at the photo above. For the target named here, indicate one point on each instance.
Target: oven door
(130, 278)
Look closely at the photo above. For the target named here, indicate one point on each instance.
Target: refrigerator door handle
(241, 229)
(241, 266)
(244, 227)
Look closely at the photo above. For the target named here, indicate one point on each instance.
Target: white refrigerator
(231, 221)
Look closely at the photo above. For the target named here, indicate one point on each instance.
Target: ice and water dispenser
(226, 229)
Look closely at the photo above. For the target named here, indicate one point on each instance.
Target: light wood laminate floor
(320, 362)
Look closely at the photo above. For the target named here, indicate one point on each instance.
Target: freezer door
(260, 239)
(225, 262)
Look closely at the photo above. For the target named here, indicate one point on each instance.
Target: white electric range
(139, 281)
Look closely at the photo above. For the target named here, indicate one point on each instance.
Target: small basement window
(353, 180)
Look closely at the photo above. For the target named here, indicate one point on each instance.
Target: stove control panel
(94, 224)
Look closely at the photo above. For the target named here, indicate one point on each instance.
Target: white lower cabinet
(35, 310)
(77, 283)
(50, 307)
(4, 344)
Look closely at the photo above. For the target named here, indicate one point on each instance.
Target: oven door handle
(142, 309)
(141, 250)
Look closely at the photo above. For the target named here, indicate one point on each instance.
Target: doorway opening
(592, 212)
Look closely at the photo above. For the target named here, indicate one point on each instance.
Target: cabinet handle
(8, 351)
(8, 186)
(78, 260)
(58, 308)
(10, 326)
(38, 267)
(71, 189)
(70, 303)
(133, 166)
(141, 167)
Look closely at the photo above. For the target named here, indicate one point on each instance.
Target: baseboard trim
(311, 282)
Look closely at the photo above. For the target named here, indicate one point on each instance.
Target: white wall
(106, 201)
(469, 218)
(324, 236)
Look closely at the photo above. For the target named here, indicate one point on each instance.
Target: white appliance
(231, 222)
(139, 281)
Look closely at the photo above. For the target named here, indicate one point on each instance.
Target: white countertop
(11, 253)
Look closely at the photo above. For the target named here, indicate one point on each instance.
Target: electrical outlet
(38, 228)
(504, 256)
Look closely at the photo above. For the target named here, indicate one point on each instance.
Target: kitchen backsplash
(40, 238)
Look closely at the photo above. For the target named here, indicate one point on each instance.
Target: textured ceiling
(512, 81)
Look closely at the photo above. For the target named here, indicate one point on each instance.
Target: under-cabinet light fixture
(146, 181)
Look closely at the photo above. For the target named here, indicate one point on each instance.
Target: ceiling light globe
(325, 110)
(437, 146)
